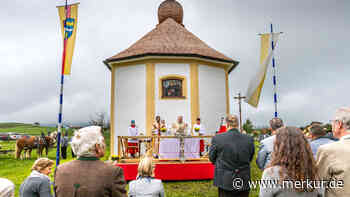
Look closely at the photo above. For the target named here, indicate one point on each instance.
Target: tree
(99, 119)
(248, 126)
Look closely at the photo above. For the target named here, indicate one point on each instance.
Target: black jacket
(231, 151)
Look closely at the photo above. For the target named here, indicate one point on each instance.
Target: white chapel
(168, 72)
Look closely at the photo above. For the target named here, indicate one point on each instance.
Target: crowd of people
(288, 155)
(294, 163)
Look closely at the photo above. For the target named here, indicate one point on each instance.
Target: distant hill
(24, 128)
(4, 125)
(7, 125)
(77, 124)
(31, 129)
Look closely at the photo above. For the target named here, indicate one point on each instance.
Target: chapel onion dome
(170, 9)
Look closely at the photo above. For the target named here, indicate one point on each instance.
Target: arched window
(173, 87)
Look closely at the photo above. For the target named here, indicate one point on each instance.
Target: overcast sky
(312, 56)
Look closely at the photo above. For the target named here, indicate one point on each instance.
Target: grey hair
(84, 141)
(343, 115)
(7, 188)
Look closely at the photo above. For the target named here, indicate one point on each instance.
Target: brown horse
(27, 144)
(45, 143)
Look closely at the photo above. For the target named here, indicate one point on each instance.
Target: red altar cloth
(173, 171)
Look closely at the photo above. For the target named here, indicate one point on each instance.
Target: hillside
(12, 125)
(23, 128)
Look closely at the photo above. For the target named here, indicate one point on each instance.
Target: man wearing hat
(88, 176)
(133, 143)
(231, 153)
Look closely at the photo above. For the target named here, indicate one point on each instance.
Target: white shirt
(133, 132)
(146, 187)
(201, 129)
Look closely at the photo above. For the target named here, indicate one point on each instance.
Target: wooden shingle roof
(170, 38)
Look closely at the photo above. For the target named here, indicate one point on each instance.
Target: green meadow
(18, 170)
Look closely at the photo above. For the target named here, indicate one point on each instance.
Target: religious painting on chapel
(172, 88)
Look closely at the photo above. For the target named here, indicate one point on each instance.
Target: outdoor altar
(179, 157)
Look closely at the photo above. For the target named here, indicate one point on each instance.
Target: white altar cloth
(169, 148)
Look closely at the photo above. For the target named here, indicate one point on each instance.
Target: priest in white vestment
(180, 127)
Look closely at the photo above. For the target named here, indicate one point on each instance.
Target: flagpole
(61, 93)
(274, 73)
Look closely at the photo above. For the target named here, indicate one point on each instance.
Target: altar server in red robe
(223, 127)
(133, 143)
(198, 130)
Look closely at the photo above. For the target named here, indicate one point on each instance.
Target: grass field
(18, 170)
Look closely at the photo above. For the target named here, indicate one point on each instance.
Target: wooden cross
(239, 97)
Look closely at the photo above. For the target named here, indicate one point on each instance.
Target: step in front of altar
(173, 170)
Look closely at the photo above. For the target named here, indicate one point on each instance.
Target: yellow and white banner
(68, 18)
(257, 82)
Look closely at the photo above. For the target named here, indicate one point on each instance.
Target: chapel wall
(130, 99)
(212, 96)
(170, 109)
